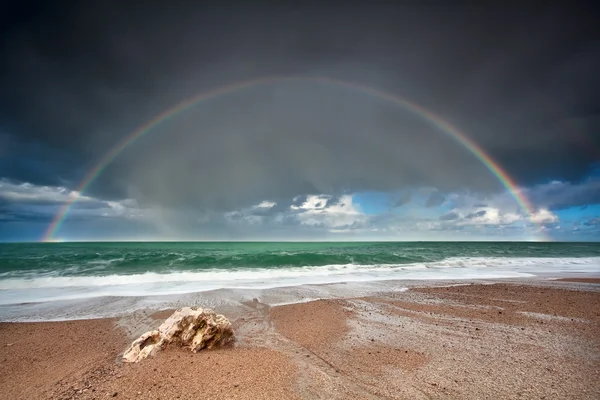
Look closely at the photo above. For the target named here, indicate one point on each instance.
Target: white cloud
(48, 199)
(265, 204)
(315, 212)
(470, 216)
(33, 194)
(312, 202)
(498, 210)
(485, 215)
(543, 216)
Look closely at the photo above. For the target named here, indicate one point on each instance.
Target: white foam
(45, 288)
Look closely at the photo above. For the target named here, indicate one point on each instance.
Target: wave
(73, 264)
(83, 259)
(48, 288)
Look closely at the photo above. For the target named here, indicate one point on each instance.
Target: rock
(142, 347)
(191, 327)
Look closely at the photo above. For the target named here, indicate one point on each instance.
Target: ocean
(71, 273)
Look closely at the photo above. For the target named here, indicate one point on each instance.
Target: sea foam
(48, 287)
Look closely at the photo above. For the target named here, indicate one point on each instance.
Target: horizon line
(538, 240)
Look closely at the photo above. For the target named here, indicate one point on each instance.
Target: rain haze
(406, 122)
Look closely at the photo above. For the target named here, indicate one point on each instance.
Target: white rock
(191, 327)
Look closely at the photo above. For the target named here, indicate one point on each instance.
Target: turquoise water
(96, 259)
(54, 271)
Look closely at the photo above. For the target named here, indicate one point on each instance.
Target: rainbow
(166, 115)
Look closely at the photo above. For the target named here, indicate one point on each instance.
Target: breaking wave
(40, 286)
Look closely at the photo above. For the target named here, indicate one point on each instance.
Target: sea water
(55, 272)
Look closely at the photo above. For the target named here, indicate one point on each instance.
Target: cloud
(593, 222)
(435, 199)
(62, 108)
(340, 215)
(543, 216)
(558, 195)
(489, 216)
(308, 216)
(265, 205)
(347, 219)
(292, 154)
(405, 198)
(40, 195)
(478, 214)
(452, 215)
(28, 202)
(497, 210)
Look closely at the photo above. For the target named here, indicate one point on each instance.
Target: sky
(300, 157)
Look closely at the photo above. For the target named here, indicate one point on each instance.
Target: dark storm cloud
(40, 212)
(24, 216)
(560, 195)
(27, 160)
(78, 77)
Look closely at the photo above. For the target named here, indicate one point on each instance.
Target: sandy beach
(518, 339)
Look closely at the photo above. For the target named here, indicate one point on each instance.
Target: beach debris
(192, 327)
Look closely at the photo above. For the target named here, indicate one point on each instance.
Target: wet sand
(581, 280)
(502, 340)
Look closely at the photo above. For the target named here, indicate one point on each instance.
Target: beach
(504, 339)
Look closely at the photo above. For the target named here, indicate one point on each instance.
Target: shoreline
(229, 299)
(504, 339)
